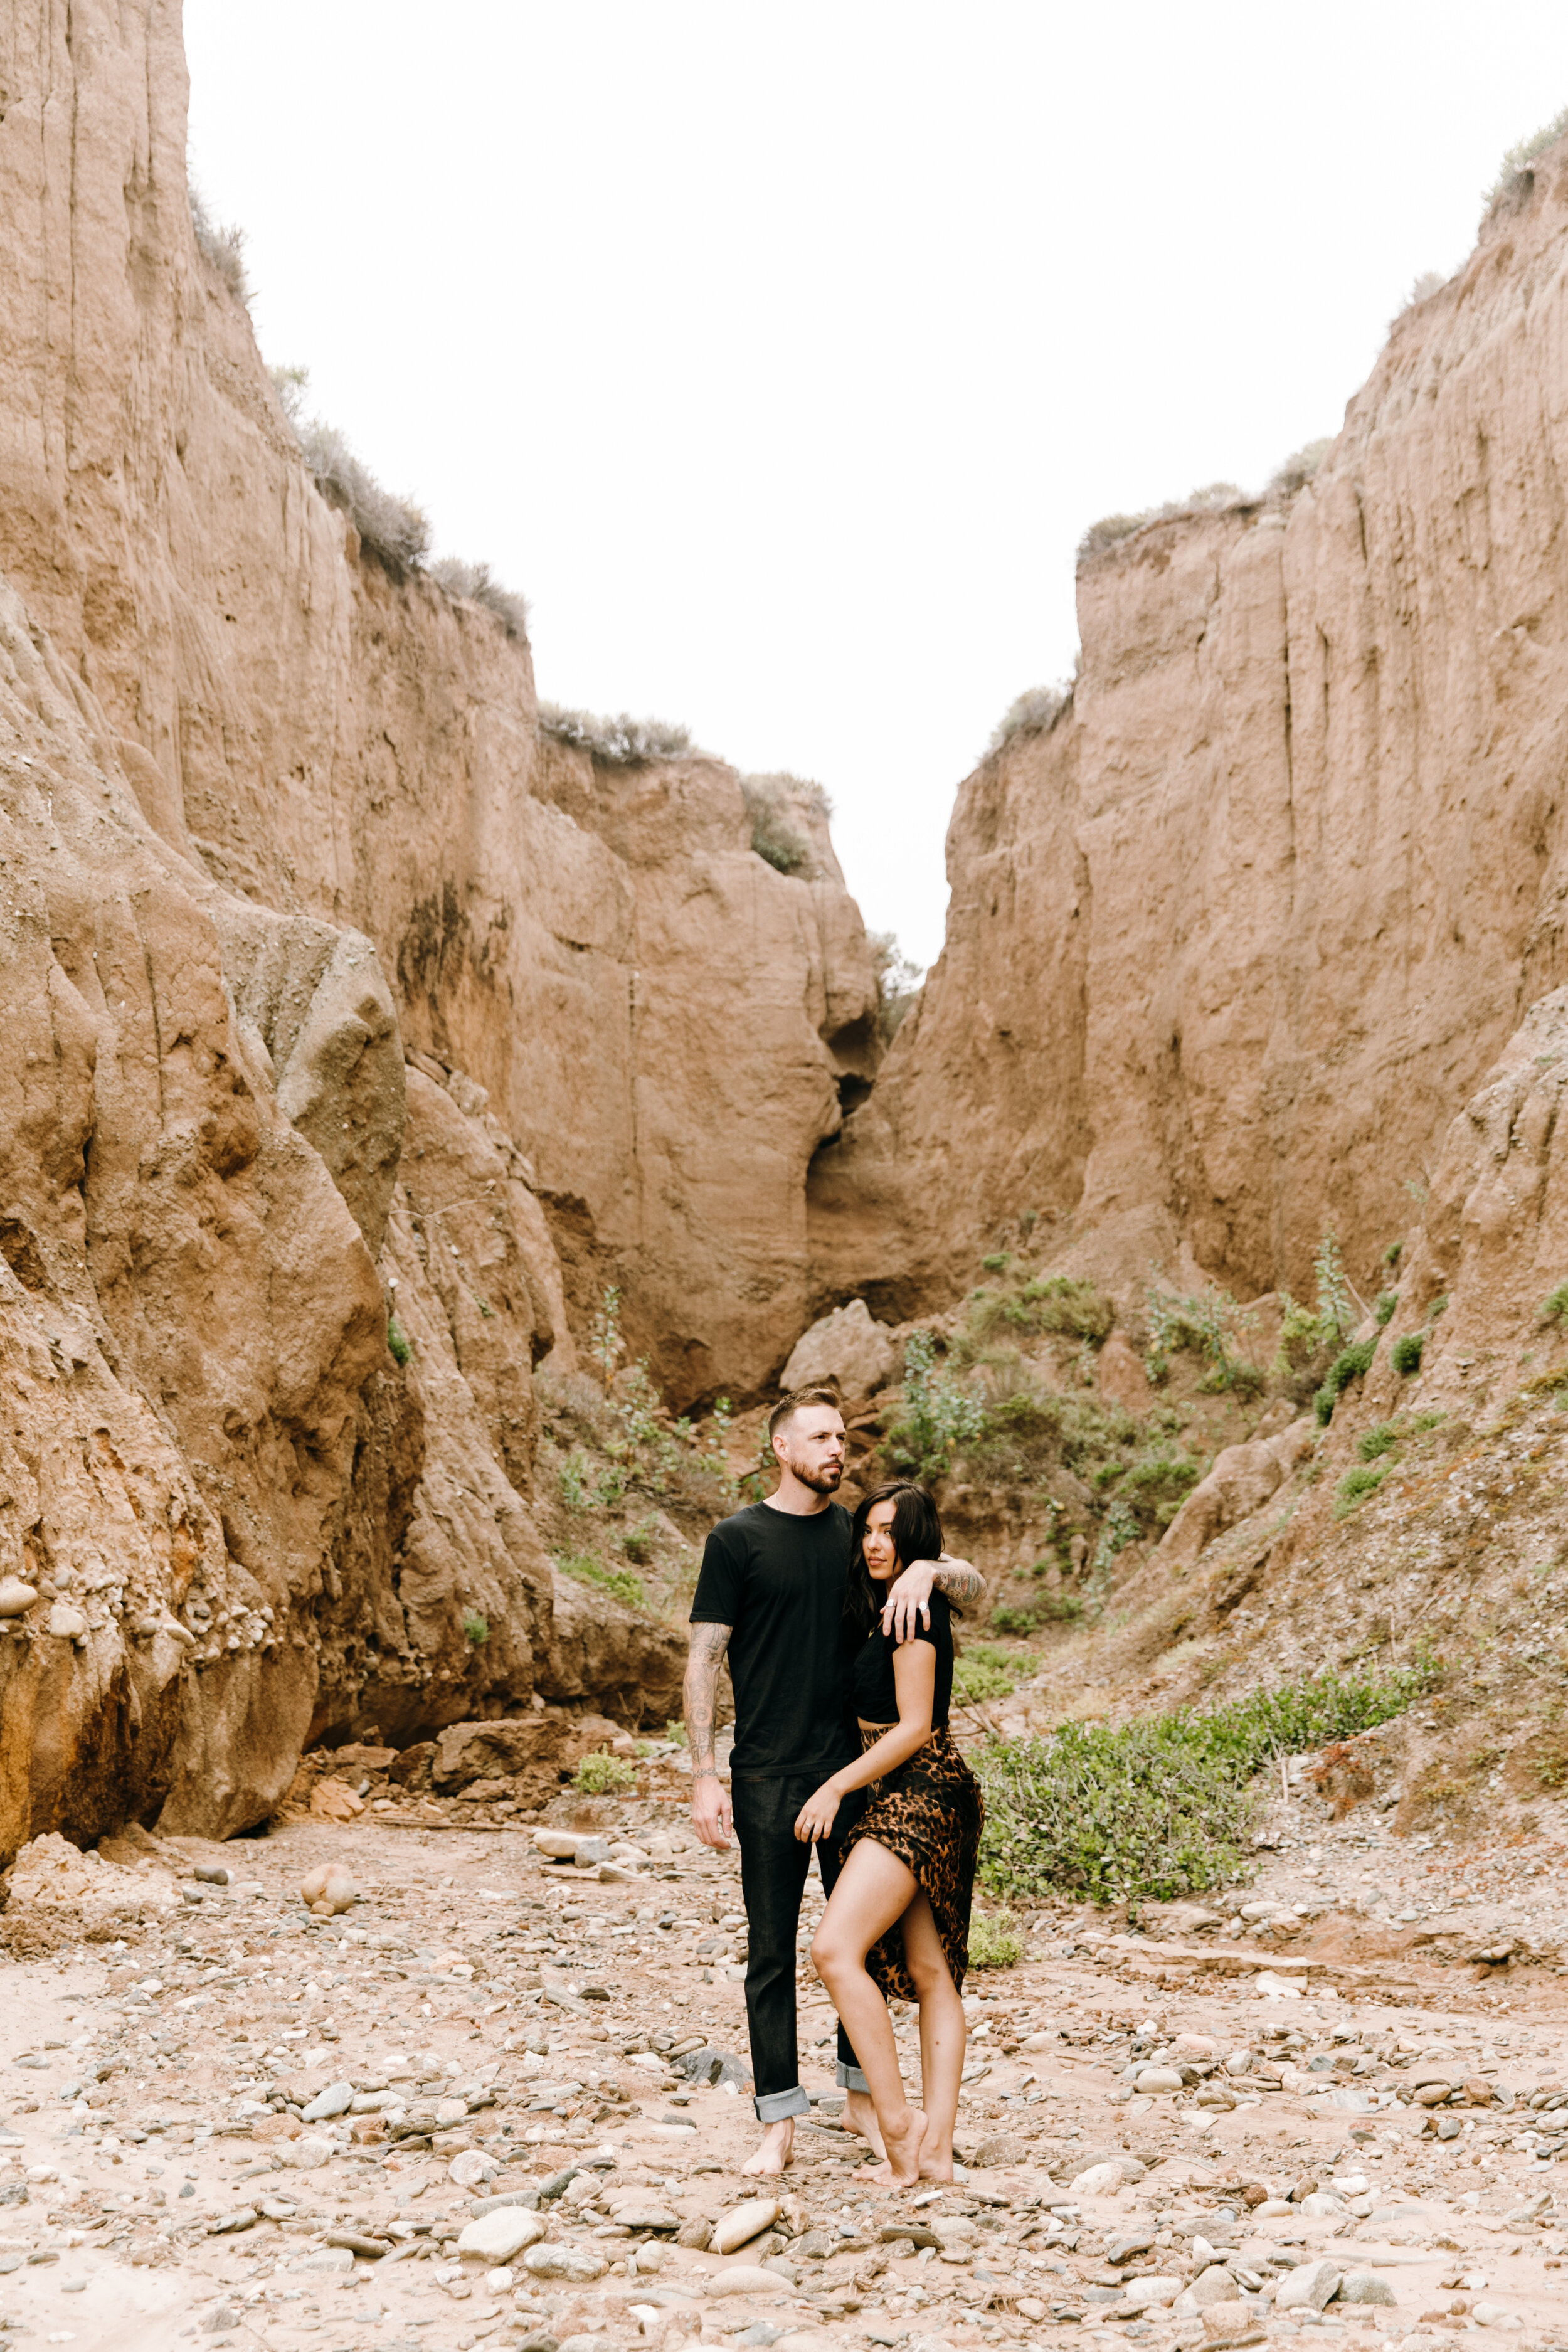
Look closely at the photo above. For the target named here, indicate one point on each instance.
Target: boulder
(1311, 2287)
(1242, 1480)
(56, 1892)
(741, 2223)
(846, 1346)
(498, 2237)
(1365, 2286)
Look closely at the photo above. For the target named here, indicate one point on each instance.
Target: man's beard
(823, 1481)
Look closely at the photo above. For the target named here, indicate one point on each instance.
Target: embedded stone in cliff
(847, 1346)
(1120, 1374)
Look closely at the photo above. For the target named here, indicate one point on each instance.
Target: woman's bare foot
(775, 2152)
(860, 2117)
(936, 2163)
(904, 2150)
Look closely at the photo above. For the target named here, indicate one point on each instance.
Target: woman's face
(880, 1558)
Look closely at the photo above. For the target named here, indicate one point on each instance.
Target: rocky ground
(501, 2095)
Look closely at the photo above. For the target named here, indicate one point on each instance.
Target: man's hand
(711, 1810)
(711, 1815)
(909, 1601)
(818, 1813)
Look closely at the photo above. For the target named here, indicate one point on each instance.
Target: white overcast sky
(781, 354)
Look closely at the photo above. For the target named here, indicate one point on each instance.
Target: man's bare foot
(773, 2156)
(860, 2117)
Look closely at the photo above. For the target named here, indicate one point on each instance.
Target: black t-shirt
(778, 1579)
(871, 1675)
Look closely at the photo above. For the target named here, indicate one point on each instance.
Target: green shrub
(605, 1776)
(938, 1417)
(586, 1568)
(983, 1672)
(994, 1940)
(1387, 1301)
(1014, 1617)
(772, 803)
(1075, 1309)
(476, 1628)
(397, 1340)
(1438, 1307)
(1554, 1309)
(1393, 1253)
(1336, 1302)
(1407, 1356)
(1356, 1486)
(638, 1542)
(1348, 1366)
(997, 1263)
(1381, 1439)
(1209, 1323)
(619, 742)
(1154, 1485)
(676, 1730)
(1162, 1806)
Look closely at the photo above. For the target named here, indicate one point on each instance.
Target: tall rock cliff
(331, 994)
(1231, 942)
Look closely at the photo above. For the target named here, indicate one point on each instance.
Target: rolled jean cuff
(777, 2106)
(851, 2078)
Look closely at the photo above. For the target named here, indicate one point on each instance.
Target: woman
(897, 1920)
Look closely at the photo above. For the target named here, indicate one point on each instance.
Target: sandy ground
(492, 2013)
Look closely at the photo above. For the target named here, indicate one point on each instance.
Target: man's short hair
(794, 1400)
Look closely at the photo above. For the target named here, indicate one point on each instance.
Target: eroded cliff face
(1228, 945)
(331, 997)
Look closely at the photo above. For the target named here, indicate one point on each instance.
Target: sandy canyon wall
(1231, 944)
(329, 994)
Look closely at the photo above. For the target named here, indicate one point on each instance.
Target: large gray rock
(846, 1346)
(1311, 2287)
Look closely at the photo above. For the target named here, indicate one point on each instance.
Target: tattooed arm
(709, 1803)
(909, 1598)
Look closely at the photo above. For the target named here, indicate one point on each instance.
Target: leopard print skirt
(930, 1812)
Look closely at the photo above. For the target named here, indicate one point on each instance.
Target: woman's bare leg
(943, 2034)
(873, 1890)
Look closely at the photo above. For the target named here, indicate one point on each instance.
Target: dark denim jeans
(774, 1866)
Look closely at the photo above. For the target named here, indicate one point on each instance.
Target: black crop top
(872, 1684)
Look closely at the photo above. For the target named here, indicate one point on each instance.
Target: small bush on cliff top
(224, 247)
(1299, 468)
(1036, 712)
(1162, 1806)
(1514, 176)
(619, 742)
(1211, 499)
(474, 581)
(769, 802)
(393, 528)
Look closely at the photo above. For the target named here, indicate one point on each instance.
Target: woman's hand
(818, 1814)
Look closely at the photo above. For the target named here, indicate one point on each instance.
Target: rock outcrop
(1230, 940)
(847, 1346)
(354, 1042)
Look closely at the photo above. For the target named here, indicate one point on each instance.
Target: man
(771, 1597)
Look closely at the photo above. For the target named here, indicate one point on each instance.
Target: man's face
(811, 1444)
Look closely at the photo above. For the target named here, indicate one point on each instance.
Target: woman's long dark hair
(917, 1535)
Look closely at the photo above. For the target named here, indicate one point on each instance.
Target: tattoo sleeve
(704, 1657)
(959, 1582)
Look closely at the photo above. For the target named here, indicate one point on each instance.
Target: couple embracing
(829, 1622)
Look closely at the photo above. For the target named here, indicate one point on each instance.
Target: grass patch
(586, 1568)
(605, 1776)
(1387, 1300)
(994, 1940)
(1162, 1806)
(985, 1671)
(397, 1340)
(476, 1628)
(1407, 1356)
(1380, 1439)
(1356, 1486)
(1554, 1309)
